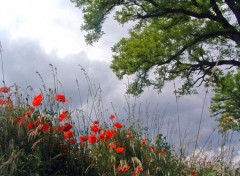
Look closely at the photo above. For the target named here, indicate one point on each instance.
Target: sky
(36, 34)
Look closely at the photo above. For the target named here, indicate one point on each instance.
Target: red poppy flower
(68, 134)
(27, 114)
(120, 150)
(150, 148)
(31, 108)
(20, 120)
(111, 145)
(9, 100)
(120, 168)
(96, 122)
(45, 127)
(135, 174)
(64, 148)
(83, 138)
(4, 89)
(30, 125)
(72, 141)
(2, 101)
(10, 103)
(102, 136)
(37, 121)
(63, 116)
(37, 100)
(138, 169)
(125, 168)
(163, 152)
(119, 144)
(60, 98)
(194, 172)
(109, 134)
(82, 144)
(112, 117)
(95, 128)
(92, 138)
(129, 133)
(67, 127)
(118, 125)
(143, 141)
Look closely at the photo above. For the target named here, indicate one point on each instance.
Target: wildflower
(119, 144)
(82, 144)
(10, 103)
(27, 114)
(112, 117)
(92, 139)
(72, 141)
(102, 136)
(150, 148)
(95, 128)
(37, 121)
(125, 168)
(37, 100)
(163, 152)
(143, 141)
(31, 108)
(118, 125)
(194, 172)
(119, 168)
(111, 145)
(20, 120)
(64, 148)
(128, 133)
(135, 174)
(30, 125)
(4, 89)
(67, 127)
(96, 122)
(120, 150)
(138, 169)
(68, 134)
(63, 116)
(2, 101)
(60, 128)
(109, 134)
(60, 98)
(45, 127)
(83, 138)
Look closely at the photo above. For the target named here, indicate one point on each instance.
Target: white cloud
(55, 28)
(55, 25)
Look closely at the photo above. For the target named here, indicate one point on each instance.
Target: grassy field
(41, 135)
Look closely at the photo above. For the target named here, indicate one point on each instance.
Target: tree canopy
(226, 101)
(170, 39)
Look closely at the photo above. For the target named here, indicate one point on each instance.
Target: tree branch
(153, 3)
(217, 18)
(231, 4)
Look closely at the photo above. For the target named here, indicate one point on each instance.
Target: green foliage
(170, 39)
(226, 101)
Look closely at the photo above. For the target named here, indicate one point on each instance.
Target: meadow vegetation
(41, 135)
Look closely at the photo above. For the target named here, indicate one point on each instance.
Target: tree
(226, 101)
(171, 39)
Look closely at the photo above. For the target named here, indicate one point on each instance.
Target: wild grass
(40, 134)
